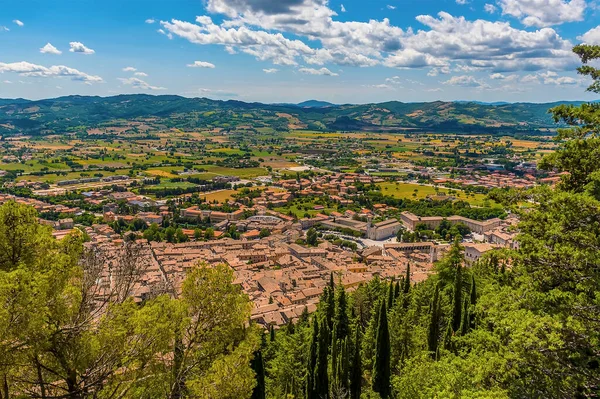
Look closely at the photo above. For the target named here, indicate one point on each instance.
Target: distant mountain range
(77, 113)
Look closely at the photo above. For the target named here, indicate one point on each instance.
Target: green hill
(65, 114)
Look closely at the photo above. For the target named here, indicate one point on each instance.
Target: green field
(407, 190)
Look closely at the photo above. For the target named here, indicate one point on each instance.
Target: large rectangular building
(411, 221)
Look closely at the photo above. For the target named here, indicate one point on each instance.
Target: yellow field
(220, 196)
(160, 173)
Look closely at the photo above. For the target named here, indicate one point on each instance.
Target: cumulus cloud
(499, 76)
(257, 27)
(312, 71)
(150, 21)
(410, 58)
(50, 49)
(201, 64)
(28, 69)
(270, 70)
(342, 8)
(18, 23)
(542, 13)
(489, 8)
(549, 78)
(129, 69)
(141, 74)
(77, 47)
(461, 2)
(436, 71)
(4, 29)
(391, 7)
(465, 81)
(552, 78)
(139, 84)
(592, 36)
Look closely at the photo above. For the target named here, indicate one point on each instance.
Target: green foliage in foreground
(67, 332)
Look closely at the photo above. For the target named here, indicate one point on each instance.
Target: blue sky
(343, 51)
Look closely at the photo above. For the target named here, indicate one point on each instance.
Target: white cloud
(530, 79)
(391, 7)
(201, 64)
(465, 81)
(141, 74)
(28, 69)
(257, 27)
(592, 36)
(461, 2)
(489, 8)
(77, 47)
(270, 70)
(549, 78)
(129, 69)
(312, 71)
(508, 78)
(552, 78)
(380, 86)
(50, 49)
(150, 21)
(342, 8)
(542, 13)
(4, 29)
(410, 58)
(139, 84)
(436, 71)
(18, 23)
(491, 45)
(8, 82)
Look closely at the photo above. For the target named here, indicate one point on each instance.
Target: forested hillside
(77, 114)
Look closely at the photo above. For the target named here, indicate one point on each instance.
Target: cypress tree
(407, 280)
(356, 372)
(473, 291)
(434, 324)
(465, 323)
(381, 366)
(345, 363)
(290, 328)
(390, 298)
(321, 378)
(448, 337)
(406, 288)
(272, 334)
(457, 303)
(331, 283)
(303, 319)
(329, 297)
(312, 361)
(341, 320)
(334, 352)
(258, 366)
(397, 289)
(473, 302)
